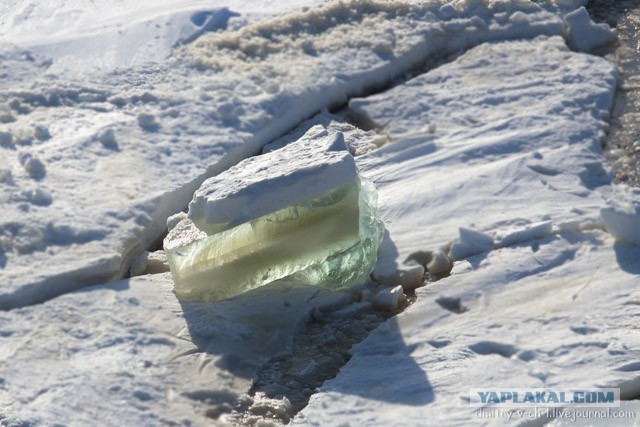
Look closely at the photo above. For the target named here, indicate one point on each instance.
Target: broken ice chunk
(299, 214)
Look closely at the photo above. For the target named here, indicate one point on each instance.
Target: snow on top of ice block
(313, 165)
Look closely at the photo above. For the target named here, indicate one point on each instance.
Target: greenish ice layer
(330, 241)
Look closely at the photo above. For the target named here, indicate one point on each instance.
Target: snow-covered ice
(489, 168)
(127, 352)
(513, 182)
(558, 312)
(512, 121)
(113, 183)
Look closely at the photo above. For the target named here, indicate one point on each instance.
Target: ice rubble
(585, 35)
(621, 216)
(299, 214)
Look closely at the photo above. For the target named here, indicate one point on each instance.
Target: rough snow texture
(519, 322)
(128, 147)
(82, 33)
(316, 164)
(358, 141)
(127, 352)
(515, 170)
(524, 118)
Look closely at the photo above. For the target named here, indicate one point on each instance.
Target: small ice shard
(389, 299)
(440, 263)
(409, 277)
(623, 222)
(108, 138)
(299, 214)
(149, 263)
(470, 243)
(585, 35)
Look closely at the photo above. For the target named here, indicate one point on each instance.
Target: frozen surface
(558, 312)
(98, 157)
(127, 352)
(489, 132)
(83, 33)
(493, 159)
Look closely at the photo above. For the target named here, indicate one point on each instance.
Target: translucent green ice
(328, 241)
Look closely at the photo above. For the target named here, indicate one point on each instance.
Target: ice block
(299, 214)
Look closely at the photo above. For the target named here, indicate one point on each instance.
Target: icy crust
(264, 184)
(555, 313)
(328, 241)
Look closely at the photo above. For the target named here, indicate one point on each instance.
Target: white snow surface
(84, 33)
(99, 158)
(494, 159)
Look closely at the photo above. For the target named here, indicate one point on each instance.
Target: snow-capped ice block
(298, 214)
(316, 163)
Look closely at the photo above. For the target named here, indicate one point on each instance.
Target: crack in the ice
(621, 147)
(321, 348)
